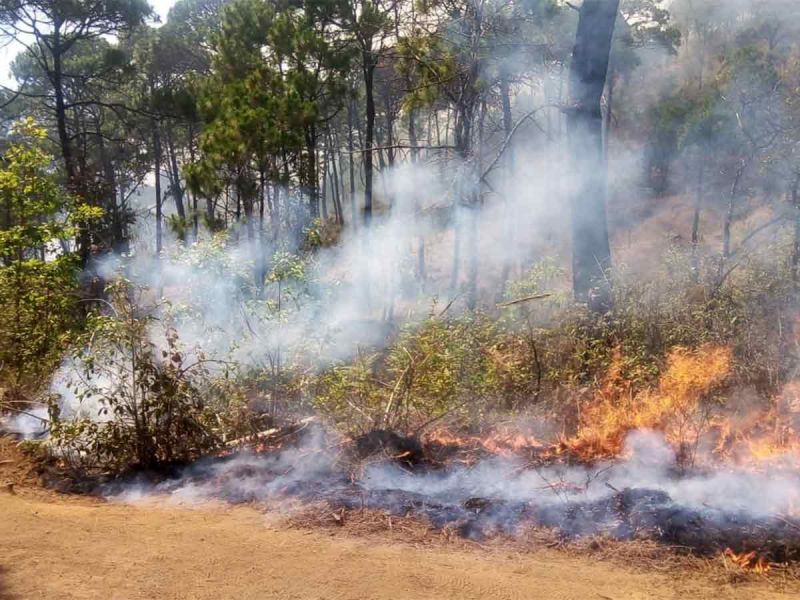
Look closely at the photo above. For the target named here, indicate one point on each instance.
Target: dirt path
(62, 548)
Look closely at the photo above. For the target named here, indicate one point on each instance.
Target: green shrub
(38, 275)
(150, 404)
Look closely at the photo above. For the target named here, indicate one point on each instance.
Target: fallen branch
(274, 433)
(525, 299)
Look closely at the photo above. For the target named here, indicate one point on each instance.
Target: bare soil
(67, 547)
(72, 549)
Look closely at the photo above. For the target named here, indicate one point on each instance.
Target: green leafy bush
(38, 274)
(150, 408)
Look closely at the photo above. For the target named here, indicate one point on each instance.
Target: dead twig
(525, 299)
(788, 522)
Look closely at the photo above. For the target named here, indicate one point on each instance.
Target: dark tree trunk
(591, 252)
(263, 197)
(84, 239)
(119, 239)
(390, 117)
(607, 123)
(508, 125)
(175, 178)
(381, 171)
(728, 222)
(323, 197)
(210, 212)
(260, 258)
(473, 231)
(369, 135)
(312, 179)
(61, 109)
(195, 224)
(248, 193)
(275, 216)
(294, 227)
(335, 182)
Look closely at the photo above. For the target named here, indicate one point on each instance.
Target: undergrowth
(537, 353)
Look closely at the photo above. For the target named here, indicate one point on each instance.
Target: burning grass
(673, 407)
(686, 406)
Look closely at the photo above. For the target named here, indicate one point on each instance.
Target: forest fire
(503, 269)
(666, 464)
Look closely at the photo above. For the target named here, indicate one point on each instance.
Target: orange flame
(679, 405)
(748, 561)
(672, 407)
(504, 441)
(767, 435)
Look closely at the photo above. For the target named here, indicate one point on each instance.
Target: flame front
(683, 406)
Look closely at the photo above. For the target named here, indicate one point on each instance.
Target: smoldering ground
(644, 495)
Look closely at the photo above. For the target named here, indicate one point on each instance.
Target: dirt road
(68, 549)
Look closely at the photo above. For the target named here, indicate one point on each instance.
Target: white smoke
(29, 424)
(639, 496)
(650, 464)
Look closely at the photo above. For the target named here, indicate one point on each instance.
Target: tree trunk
(369, 136)
(412, 139)
(335, 181)
(473, 231)
(313, 183)
(275, 216)
(323, 197)
(609, 114)
(728, 222)
(119, 239)
(508, 125)
(83, 239)
(210, 213)
(390, 151)
(157, 172)
(246, 192)
(352, 169)
(175, 178)
(263, 197)
(195, 224)
(61, 110)
(381, 171)
(591, 252)
(261, 262)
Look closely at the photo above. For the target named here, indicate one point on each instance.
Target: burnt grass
(624, 514)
